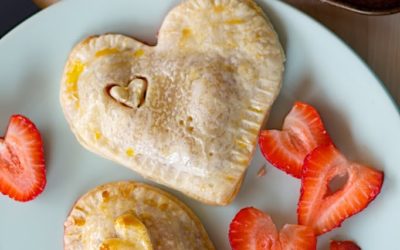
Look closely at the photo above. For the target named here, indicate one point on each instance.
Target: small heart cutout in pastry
(190, 121)
(133, 95)
(131, 234)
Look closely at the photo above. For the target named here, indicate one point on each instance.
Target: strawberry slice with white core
(297, 237)
(323, 210)
(344, 245)
(22, 165)
(301, 133)
(251, 229)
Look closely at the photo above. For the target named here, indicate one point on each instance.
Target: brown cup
(44, 3)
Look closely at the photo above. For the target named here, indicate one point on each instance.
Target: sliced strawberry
(344, 245)
(297, 237)
(302, 132)
(323, 210)
(22, 166)
(251, 229)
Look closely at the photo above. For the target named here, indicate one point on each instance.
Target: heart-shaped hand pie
(130, 215)
(186, 112)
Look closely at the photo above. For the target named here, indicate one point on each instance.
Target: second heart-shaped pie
(185, 113)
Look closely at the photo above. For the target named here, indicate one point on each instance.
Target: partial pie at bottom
(131, 215)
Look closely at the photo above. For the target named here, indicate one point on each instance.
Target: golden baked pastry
(185, 113)
(134, 216)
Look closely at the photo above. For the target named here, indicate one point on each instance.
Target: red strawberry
(302, 132)
(297, 237)
(251, 229)
(22, 166)
(320, 208)
(344, 245)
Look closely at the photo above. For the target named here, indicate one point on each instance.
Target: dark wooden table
(375, 38)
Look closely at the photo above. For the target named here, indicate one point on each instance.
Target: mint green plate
(321, 70)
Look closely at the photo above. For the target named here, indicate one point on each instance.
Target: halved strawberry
(344, 245)
(22, 166)
(297, 237)
(302, 132)
(251, 229)
(323, 210)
